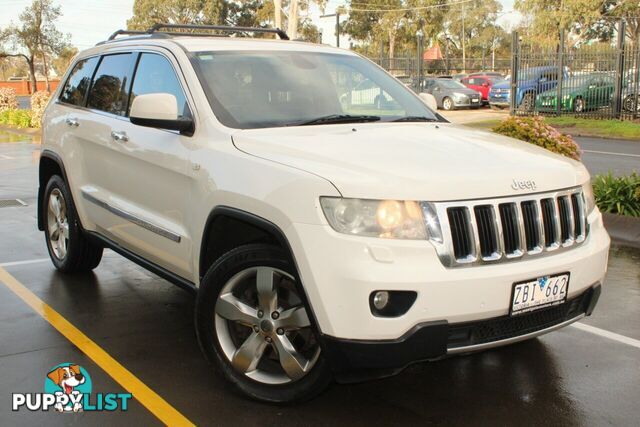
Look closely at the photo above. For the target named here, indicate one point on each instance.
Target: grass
(582, 127)
(593, 127)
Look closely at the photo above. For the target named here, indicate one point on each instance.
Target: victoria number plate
(539, 293)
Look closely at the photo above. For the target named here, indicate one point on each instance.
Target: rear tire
(272, 357)
(69, 248)
(578, 105)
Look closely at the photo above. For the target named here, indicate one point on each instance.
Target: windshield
(451, 84)
(249, 89)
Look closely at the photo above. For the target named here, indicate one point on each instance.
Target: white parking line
(606, 334)
(611, 154)
(28, 261)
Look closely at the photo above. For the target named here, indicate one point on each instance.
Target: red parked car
(481, 83)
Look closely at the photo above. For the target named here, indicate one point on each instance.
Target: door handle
(72, 122)
(119, 136)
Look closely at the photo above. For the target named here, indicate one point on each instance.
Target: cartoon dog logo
(67, 378)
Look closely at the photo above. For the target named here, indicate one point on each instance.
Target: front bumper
(467, 102)
(353, 360)
(501, 101)
(339, 273)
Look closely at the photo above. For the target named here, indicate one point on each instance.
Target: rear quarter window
(77, 84)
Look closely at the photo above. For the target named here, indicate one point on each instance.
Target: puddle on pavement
(12, 137)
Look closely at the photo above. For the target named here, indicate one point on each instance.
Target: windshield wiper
(415, 119)
(337, 118)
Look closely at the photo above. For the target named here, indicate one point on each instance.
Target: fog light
(391, 303)
(380, 300)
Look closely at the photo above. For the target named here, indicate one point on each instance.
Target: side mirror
(159, 110)
(430, 100)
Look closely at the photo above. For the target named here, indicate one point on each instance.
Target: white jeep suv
(325, 236)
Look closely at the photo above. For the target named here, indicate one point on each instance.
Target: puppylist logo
(67, 388)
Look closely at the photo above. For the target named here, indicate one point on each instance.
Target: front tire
(69, 248)
(253, 325)
(579, 105)
(447, 104)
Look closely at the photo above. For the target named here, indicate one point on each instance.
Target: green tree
(63, 59)
(545, 19)
(149, 12)
(37, 36)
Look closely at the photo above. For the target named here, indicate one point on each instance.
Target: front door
(143, 187)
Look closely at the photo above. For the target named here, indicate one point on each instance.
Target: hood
(413, 161)
(502, 85)
(465, 91)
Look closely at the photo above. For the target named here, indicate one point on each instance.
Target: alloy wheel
(447, 104)
(579, 105)
(58, 224)
(263, 328)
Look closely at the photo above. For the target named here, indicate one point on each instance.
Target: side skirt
(146, 264)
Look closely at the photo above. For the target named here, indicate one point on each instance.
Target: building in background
(327, 28)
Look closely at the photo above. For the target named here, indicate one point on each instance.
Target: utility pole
(337, 29)
(293, 20)
(464, 52)
(277, 5)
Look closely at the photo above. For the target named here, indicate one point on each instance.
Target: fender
(51, 155)
(273, 230)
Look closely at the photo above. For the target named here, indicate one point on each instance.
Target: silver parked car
(451, 94)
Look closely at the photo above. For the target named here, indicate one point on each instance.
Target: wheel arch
(232, 227)
(222, 216)
(50, 164)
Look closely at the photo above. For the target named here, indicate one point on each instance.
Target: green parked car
(579, 93)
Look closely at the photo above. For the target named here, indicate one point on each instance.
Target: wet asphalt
(569, 377)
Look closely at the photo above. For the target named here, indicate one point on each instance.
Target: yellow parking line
(147, 397)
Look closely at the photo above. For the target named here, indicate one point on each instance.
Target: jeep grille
(497, 230)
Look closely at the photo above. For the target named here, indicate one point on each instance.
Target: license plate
(539, 293)
(474, 100)
(498, 95)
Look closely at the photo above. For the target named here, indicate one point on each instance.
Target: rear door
(147, 187)
(68, 128)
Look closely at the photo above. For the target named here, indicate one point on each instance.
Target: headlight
(590, 201)
(459, 95)
(391, 219)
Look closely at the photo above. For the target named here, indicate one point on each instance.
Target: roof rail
(125, 32)
(156, 29)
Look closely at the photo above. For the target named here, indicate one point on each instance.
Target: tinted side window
(155, 75)
(109, 91)
(78, 82)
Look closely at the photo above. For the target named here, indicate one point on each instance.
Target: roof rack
(156, 29)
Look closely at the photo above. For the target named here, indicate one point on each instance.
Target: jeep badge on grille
(523, 185)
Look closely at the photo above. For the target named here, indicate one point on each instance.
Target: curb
(624, 230)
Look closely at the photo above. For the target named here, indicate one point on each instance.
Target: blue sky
(90, 21)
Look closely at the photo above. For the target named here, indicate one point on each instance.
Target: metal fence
(406, 67)
(599, 81)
